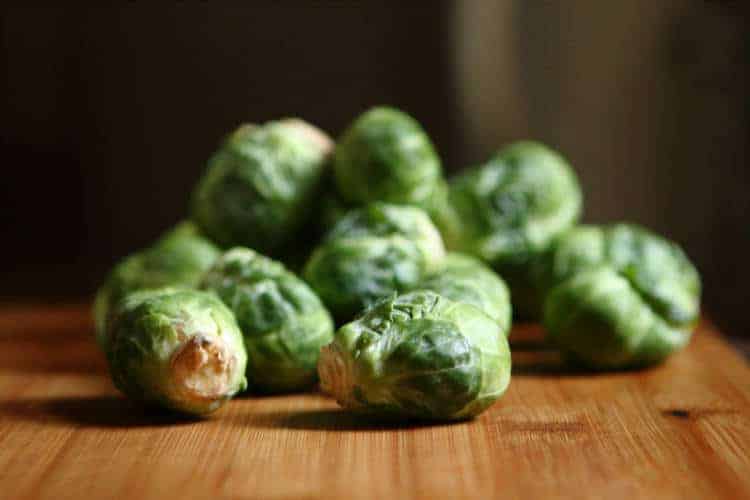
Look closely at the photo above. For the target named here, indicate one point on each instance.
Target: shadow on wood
(326, 419)
(553, 364)
(97, 411)
(533, 356)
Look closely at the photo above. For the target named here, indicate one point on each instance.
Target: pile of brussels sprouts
(359, 266)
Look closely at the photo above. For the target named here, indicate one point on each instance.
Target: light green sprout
(619, 296)
(463, 278)
(418, 355)
(176, 348)
(385, 155)
(177, 259)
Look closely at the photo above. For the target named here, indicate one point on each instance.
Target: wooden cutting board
(678, 431)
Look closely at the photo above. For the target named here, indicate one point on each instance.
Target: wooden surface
(679, 431)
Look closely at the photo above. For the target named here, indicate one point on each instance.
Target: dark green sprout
(261, 186)
(373, 252)
(283, 322)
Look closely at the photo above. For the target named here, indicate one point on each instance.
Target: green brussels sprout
(177, 259)
(466, 279)
(418, 355)
(259, 188)
(383, 220)
(509, 210)
(385, 155)
(283, 322)
(371, 253)
(176, 348)
(619, 296)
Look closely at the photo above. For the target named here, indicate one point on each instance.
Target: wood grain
(678, 431)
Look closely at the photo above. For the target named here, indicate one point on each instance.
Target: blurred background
(108, 115)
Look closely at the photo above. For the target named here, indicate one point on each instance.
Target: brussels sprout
(179, 258)
(371, 253)
(508, 211)
(259, 188)
(465, 279)
(418, 355)
(385, 155)
(177, 348)
(283, 322)
(382, 220)
(620, 296)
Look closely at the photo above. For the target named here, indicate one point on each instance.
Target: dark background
(109, 114)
